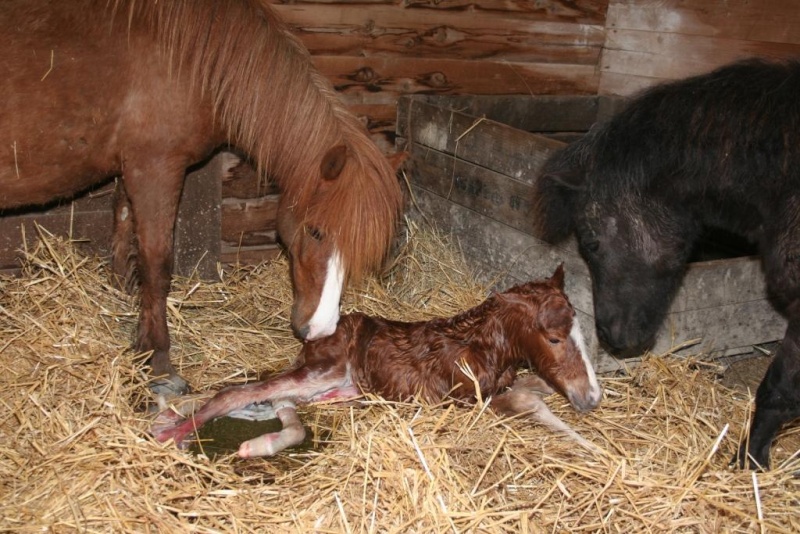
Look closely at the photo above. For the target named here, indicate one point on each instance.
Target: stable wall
(375, 51)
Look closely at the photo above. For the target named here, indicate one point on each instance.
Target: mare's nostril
(302, 333)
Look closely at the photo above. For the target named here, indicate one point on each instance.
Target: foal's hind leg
(154, 188)
(328, 380)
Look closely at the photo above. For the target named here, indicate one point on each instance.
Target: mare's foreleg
(153, 187)
(523, 399)
(777, 400)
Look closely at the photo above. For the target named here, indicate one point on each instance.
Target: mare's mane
(278, 108)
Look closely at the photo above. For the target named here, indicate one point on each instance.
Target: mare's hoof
(170, 386)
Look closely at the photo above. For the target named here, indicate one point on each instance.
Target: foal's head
(544, 325)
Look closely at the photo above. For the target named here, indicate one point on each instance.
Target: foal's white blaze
(595, 392)
(323, 322)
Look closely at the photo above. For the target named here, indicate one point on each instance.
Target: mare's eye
(314, 233)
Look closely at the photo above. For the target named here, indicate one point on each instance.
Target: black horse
(718, 150)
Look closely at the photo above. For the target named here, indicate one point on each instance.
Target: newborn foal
(531, 323)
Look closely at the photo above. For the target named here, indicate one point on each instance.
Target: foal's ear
(333, 162)
(557, 280)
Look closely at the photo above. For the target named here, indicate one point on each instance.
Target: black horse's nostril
(603, 333)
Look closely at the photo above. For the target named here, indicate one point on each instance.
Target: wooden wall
(376, 50)
(648, 41)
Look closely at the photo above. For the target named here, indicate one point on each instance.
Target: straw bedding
(75, 454)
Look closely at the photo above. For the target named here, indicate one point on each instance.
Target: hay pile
(75, 454)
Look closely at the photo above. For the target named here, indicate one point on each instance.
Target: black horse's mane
(717, 133)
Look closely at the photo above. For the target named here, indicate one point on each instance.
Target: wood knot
(364, 75)
(435, 79)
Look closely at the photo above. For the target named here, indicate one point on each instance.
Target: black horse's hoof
(743, 460)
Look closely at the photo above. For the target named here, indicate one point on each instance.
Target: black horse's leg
(154, 186)
(777, 400)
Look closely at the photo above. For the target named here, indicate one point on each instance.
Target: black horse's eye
(314, 233)
(591, 246)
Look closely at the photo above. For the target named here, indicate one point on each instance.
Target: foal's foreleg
(524, 400)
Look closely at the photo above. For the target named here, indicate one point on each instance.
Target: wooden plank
(249, 255)
(489, 193)
(249, 222)
(728, 328)
(239, 180)
(375, 80)
(776, 21)
(485, 143)
(585, 11)
(652, 57)
(669, 56)
(710, 284)
(197, 229)
(544, 113)
(380, 20)
(92, 229)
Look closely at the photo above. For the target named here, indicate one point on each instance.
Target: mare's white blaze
(323, 322)
(595, 393)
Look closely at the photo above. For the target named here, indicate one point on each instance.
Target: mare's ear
(557, 280)
(333, 162)
(397, 159)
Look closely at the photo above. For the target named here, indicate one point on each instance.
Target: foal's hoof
(169, 387)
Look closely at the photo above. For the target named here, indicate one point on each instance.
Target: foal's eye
(554, 341)
(314, 233)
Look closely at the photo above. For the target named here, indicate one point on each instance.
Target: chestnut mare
(142, 90)
(480, 349)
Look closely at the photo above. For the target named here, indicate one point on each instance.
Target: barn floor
(75, 454)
